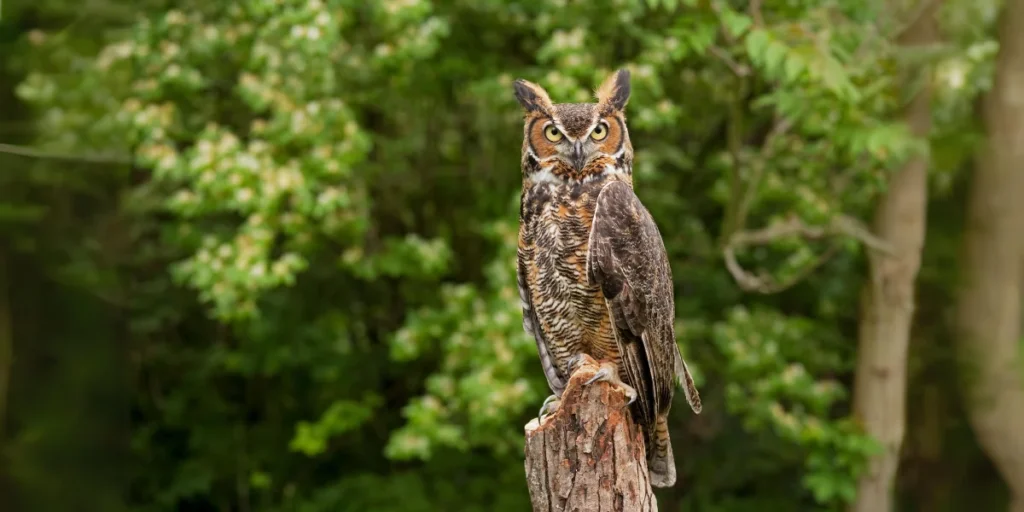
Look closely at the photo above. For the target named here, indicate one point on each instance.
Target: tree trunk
(988, 306)
(589, 455)
(887, 300)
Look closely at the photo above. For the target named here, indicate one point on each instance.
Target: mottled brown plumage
(593, 274)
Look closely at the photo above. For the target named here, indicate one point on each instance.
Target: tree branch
(841, 225)
(779, 129)
(755, 12)
(27, 152)
(740, 70)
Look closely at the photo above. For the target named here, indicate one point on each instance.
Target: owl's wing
(556, 381)
(627, 259)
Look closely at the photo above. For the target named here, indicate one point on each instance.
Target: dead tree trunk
(589, 454)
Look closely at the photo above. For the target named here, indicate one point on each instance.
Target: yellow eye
(552, 133)
(600, 132)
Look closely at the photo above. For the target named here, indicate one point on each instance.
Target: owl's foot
(549, 406)
(609, 373)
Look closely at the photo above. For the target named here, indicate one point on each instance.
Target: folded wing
(627, 259)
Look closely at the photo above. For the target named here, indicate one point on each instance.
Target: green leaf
(775, 55)
(756, 44)
(342, 416)
(736, 23)
(794, 67)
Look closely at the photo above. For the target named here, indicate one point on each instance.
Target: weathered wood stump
(589, 455)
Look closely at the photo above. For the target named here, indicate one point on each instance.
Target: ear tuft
(532, 97)
(614, 92)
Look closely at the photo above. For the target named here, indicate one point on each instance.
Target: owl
(592, 270)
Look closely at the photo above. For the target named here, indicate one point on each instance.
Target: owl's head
(576, 141)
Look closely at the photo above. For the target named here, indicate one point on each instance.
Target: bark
(589, 455)
(988, 305)
(887, 300)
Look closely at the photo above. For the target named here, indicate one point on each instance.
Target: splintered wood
(588, 456)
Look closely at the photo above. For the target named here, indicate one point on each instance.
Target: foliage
(322, 211)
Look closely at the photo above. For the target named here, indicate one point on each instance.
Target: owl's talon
(601, 374)
(550, 405)
(608, 373)
(574, 362)
(628, 391)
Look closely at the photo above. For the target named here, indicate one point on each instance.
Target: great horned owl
(593, 274)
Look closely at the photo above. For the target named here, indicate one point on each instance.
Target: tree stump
(589, 455)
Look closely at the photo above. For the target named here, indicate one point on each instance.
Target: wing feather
(627, 259)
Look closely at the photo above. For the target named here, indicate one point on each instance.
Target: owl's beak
(579, 158)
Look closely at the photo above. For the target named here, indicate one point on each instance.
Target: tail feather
(686, 382)
(661, 463)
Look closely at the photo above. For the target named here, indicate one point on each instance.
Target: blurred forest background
(258, 255)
